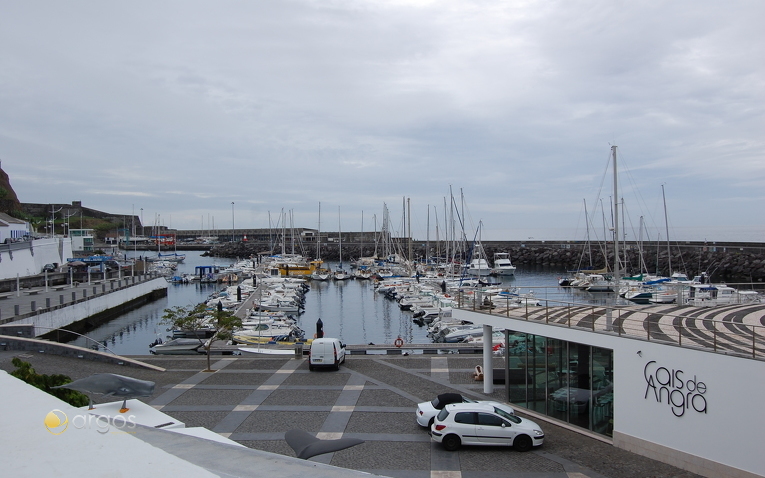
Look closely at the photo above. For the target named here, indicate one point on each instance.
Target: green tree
(25, 372)
(222, 323)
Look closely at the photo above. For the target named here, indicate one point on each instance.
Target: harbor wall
(722, 262)
(95, 309)
(706, 396)
(26, 258)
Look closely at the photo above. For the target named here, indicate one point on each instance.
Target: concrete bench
(4, 296)
(32, 292)
(59, 288)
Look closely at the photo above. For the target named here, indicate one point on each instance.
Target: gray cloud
(180, 108)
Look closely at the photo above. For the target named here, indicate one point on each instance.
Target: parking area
(255, 400)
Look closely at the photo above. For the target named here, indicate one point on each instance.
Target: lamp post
(53, 220)
(142, 229)
(232, 221)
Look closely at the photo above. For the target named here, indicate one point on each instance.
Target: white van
(326, 352)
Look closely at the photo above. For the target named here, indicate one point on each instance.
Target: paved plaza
(254, 400)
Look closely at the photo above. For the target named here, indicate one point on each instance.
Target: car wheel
(430, 422)
(310, 367)
(337, 366)
(523, 443)
(451, 442)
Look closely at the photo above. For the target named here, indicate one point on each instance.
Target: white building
(12, 229)
(680, 385)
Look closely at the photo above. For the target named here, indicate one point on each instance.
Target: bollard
(16, 309)
(61, 299)
(112, 284)
(47, 302)
(84, 293)
(298, 350)
(95, 290)
(74, 296)
(34, 305)
(103, 288)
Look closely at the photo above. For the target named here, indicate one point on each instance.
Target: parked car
(326, 352)
(427, 411)
(49, 268)
(484, 423)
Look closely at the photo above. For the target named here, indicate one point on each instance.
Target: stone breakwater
(733, 264)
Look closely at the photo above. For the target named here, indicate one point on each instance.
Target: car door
(493, 429)
(464, 422)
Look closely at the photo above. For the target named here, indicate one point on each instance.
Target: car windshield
(508, 416)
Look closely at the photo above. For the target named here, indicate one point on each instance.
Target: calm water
(350, 310)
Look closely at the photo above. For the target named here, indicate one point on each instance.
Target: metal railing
(695, 327)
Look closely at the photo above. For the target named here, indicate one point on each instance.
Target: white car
(484, 423)
(427, 411)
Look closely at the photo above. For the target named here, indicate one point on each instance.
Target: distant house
(12, 229)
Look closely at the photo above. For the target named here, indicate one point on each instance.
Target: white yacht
(502, 264)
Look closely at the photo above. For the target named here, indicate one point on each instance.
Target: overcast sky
(174, 110)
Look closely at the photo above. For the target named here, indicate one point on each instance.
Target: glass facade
(565, 380)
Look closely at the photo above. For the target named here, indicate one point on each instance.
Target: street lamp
(232, 221)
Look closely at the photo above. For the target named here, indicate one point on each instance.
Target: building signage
(674, 388)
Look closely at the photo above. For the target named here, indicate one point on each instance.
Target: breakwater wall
(730, 262)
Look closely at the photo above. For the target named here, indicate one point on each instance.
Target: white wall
(727, 432)
(75, 312)
(25, 261)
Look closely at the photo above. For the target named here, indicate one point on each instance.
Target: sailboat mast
(340, 237)
(318, 236)
(616, 219)
(427, 236)
(666, 226)
(409, 227)
(587, 222)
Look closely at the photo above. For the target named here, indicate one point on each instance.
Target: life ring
(446, 295)
(398, 342)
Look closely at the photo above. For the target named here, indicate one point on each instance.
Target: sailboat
(479, 266)
(319, 272)
(340, 273)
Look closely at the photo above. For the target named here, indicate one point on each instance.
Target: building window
(568, 381)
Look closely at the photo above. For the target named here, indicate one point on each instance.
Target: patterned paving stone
(302, 397)
(323, 378)
(276, 421)
(257, 364)
(224, 378)
(384, 398)
(384, 455)
(485, 459)
(211, 397)
(382, 422)
(413, 363)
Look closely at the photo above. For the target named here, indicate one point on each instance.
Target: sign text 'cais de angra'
(669, 386)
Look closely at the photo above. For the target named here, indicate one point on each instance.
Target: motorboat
(479, 267)
(178, 346)
(502, 264)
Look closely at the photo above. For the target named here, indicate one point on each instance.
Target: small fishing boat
(178, 346)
